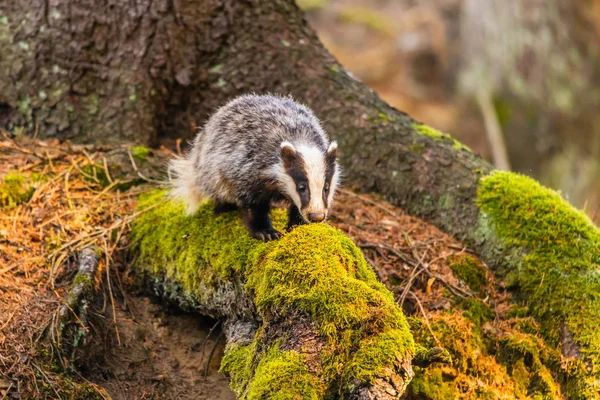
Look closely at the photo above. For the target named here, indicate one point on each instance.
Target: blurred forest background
(518, 81)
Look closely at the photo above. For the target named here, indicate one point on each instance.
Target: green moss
(417, 147)
(14, 190)
(96, 174)
(559, 277)
(469, 270)
(314, 269)
(238, 363)
(528, 358)
(140, 152)
(376, 354)
(283, 375)
(84, 280)
(437, 135)
(475, 310)
(473, 373)
(434, 385)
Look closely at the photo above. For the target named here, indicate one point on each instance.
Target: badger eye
(301, 187)
(326, 188)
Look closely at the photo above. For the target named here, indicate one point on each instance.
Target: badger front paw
(266, 234)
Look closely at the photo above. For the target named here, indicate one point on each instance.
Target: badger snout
(316, 217)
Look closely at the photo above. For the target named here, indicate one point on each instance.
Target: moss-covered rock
(314, 270)
(558, 275)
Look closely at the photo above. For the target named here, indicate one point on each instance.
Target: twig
(134, 165)
(7, 391)
(388, 248)
(412, 277)
(47, 380)
(426, 320)
(212, 352)
(90, 237)
(369, 201)
(8, 320)
(206, 339)
(110, 180)
(112, 300)
(454, 289)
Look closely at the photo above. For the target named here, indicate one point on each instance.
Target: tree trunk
(109, 71)
(304, 316)
(122, 72)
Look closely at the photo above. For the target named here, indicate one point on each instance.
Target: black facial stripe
(298, 173)
(329, 171)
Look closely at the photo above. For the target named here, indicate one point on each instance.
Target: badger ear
(332, 152)
(288, 154)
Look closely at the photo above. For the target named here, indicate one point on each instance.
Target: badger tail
(183, 183)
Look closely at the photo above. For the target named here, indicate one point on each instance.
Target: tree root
(69, 328)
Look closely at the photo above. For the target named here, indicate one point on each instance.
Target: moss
(283, 375)
(475, 310)
(14, 190)
(474, 374)
(417, 147)
(375, 355)
(437, 135)
(469, 270)
(82, 280)
(528, 358)
(238, 363)
(559, 276)
(96, 173)
(140, 152)
(314, 270)
(434, 385)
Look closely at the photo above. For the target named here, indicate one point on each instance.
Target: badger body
(254, 151)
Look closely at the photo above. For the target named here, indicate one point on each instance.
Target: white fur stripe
(314, 162)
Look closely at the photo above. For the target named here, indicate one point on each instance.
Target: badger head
(308, 176)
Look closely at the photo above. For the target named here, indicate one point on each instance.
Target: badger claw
(267, 235)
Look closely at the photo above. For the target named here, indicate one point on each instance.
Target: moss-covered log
(305, 317)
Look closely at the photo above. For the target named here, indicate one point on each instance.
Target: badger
(255, 151)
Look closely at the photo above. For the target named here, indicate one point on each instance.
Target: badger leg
(259, 223)
(294, 217)
(223, 207)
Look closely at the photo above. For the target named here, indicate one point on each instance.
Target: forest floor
(56, 199)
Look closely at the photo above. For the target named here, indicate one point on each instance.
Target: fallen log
(304, 316)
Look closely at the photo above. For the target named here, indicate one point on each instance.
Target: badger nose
(316, 217)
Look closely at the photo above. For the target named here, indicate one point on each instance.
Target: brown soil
(163, 355)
